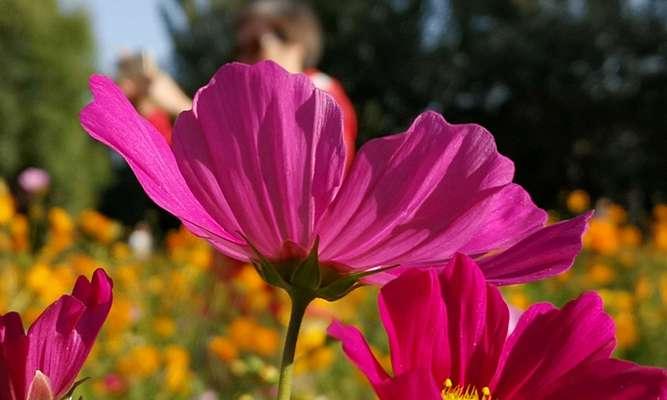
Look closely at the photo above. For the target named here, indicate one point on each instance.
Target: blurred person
(158, 98)
(152, 91)
(290, 34)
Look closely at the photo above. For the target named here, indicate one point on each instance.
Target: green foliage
(574, 91)
(46, 56)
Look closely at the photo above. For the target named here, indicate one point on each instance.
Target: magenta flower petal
(551, 354)
(513, 204)
(413, 384)
(549, 343)
(97, 296)
(414, 317)
(416, 384)
(261, 159)
(51, 336)
(263, 151)
(63, 335)
(480, 314)
(13, 353)
(391, 207)
(612, 380)
(112, 120)
(546, 252)
(357, 349)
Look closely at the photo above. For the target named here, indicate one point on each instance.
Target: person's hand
(165, 93)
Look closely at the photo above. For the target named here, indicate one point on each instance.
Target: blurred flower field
(627, 265)
(188, 324)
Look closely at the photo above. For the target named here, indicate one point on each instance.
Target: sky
(125, 24)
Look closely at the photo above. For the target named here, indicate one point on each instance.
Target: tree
(46, 56)
(573, 90)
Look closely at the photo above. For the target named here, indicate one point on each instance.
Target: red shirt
(160, 120)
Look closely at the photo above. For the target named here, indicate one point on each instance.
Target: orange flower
(578, 201)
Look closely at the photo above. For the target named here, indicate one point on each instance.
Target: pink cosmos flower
(447, 338)
(260, 160)
(43, 364)
(34, 180)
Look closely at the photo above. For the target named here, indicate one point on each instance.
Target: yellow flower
(616, 213)
(7, 209)
(249, 279)
(602, 236)
(315, 360)
(127, 275)
(140, 362)
(60, 221)
(321, 358)
(259, 301)
(518, 299)
(601, 274)
(624, 301)
(265, 341)
(83, 264)
(121, 316)
(120, 251)
(311, 337)
(617, 300)
(626, 330)
(201, 256)
(31, 314)
(164, 326)
(99, 226)
(660, 236)
(177, 368)
(578, 201)
(223, 348)
(48, 283)
(5, 242)
(643, 288)
(19, 231)
(631, 236)
(269, 374)
(114, 344)
(155, 285)
(177, 356)
(241, 332)
(660, 212)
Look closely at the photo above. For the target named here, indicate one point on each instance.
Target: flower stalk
(299, 305)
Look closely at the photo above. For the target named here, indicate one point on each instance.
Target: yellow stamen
(451, 392)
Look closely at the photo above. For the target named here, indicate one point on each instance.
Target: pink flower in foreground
(43, 364)
(260, 160)
(447, 337)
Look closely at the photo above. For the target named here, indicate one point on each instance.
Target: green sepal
(266, 269)
(338, 289)
(70, 394)
(308, 274)
(269, 273)
(342, 286)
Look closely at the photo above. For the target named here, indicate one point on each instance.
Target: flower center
(451, 392)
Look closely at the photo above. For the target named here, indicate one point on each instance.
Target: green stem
(299, 306)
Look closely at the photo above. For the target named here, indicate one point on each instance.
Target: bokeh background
(575, 92)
